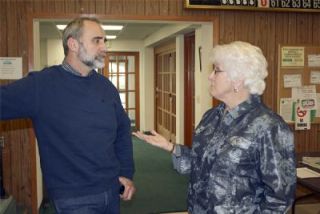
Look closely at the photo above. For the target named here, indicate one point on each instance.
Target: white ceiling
(131, 30)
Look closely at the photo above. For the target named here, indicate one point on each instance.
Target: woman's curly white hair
(242, 60)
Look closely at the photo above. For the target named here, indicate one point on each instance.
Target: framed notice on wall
(299, 85)
(264, 5)
(10, 68)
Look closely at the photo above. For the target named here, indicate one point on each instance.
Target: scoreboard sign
(264, 5)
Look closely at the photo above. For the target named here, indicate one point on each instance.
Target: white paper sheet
(314, 60)
(292, 80)
(286, 109)
(315, 77)
(10, 68)
(305, 172)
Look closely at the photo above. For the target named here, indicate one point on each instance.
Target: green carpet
(159, 187)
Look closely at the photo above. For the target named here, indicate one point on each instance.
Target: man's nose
(103, 48)
(103, 45)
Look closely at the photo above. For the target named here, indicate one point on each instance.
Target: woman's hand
(156, 140)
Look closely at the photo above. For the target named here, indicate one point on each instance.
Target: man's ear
(73, 44)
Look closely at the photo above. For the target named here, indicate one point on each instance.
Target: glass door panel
(123, 72)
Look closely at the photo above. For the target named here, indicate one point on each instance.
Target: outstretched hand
(155, 139)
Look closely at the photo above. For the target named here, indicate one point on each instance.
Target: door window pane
(122, 82)
(131, 100)
(123, 99)
(113, 67)
(114, 81)
(131, 65)
(122, 67)
(131, 82)
(122, 58)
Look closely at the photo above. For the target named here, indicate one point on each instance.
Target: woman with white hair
(242, 159)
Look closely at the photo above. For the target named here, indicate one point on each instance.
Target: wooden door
(122, 69)
(165, 82)
(189, 98)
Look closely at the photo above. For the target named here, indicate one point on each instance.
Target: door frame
(189, 81)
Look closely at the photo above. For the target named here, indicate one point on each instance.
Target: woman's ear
(73, 44)
(237, 85)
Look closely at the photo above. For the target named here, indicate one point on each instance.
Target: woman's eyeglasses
(217, 70)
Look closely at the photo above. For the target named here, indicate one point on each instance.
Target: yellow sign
(292, 57)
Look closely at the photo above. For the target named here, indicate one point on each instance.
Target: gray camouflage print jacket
(240, 162)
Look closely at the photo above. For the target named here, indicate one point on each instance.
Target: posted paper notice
(286, 109)
(10, 68)
(315, 77)
(292, 57)
(292, 80)
(307, 97)
(314, 60)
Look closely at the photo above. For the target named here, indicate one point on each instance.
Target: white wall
(203, 100)
(165, 33)
(180, 89)
(55, 53)
(147, 86)
(125, 45)
(43, 55)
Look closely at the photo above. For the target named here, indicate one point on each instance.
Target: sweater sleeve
(18, 99)
(123, 144)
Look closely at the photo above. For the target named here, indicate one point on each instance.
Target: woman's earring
(235, 90)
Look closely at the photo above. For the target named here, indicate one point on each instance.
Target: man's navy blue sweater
(82, 131)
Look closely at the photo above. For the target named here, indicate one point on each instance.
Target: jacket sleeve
(18, 99)
(123, 144)
(182, 159)
(277, 170)
(183, 155)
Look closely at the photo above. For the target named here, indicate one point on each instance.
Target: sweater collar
(73, 71)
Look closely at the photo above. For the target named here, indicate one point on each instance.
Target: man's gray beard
(99, 63)
(91, 62)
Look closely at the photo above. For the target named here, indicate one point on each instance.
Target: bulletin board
(299, 77)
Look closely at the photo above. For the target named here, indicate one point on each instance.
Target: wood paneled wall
(265, 29)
